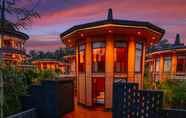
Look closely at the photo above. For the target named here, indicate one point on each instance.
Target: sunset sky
(59, 15)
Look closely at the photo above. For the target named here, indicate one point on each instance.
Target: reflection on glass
(98, 60)
(120, 57)
(181, 64)
(81, 65)
(138, 57)
(158, 65)
(167, 64)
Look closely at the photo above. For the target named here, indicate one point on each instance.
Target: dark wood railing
(31, 113)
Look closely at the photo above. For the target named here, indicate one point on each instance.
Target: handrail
(31, 113)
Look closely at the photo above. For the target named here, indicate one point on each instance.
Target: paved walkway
(81, 112)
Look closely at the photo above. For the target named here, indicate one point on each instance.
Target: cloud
(44, 43)
(58, 15)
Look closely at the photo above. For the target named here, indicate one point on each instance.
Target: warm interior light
(139, 33)
(153, 38)
(82, 34)
(110, 31)
(13, 56)
(69, 40)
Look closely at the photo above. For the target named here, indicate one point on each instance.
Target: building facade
(12, 45)
(106, 51)
(49, 64)
(167, 62)
(70, 61)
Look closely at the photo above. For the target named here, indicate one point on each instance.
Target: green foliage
(57, 55)
(14, 87)
(174, 91)
(17, 82)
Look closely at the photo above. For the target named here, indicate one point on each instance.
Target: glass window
(167, 64)
(81, 65)
(120, 57)
(98, 52)
(138, 57)
(181, 63)
(158, 64)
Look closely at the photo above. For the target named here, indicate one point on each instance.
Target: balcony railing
(15, 50)
(31, 113)
(167, 75)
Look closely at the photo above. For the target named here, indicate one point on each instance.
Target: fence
(129, 102)
(31, 113)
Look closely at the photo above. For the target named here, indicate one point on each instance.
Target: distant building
(106, 51)
(49, 64)
(167, 62)
(70, 61)
(12, 44)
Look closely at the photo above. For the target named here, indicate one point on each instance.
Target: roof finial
(110, 17)
(178, 40)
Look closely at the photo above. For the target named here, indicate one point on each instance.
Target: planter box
(53, 98)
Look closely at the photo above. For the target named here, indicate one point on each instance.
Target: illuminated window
(98, 60)
(181, 64)
(81, 57)
(158, 64)
(44, 66)
(120, 57)
(167, 64)
(138, 57)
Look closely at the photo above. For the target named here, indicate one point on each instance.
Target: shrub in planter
(175, 93)
(14, 86)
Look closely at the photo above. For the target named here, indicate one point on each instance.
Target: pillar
(88, 76)
(143, 66)
(161, 67)
(109, 69)
(174, 63)
(77, 72)
(131, 59)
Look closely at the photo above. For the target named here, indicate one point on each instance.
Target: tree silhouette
(22, 16)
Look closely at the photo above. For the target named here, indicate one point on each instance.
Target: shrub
(14, 87)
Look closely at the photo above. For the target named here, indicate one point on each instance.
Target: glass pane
(98, 53)
(157, 64)
(120, 57)
(181, 63)
(138, 57)
(167, 64)
(81, 65)
(98, 45)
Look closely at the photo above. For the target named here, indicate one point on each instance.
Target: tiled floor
(81, 112)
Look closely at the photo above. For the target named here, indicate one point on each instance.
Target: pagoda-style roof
(168, 47)
(9, 29)
(114, 22)
(151, 32)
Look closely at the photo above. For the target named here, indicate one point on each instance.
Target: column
(131, 59)
(77, 72)
(109, 69)
(161, 67)
(88, 58)
(173, 65)
(143, 66)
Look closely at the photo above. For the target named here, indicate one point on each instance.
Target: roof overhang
(146, 29)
